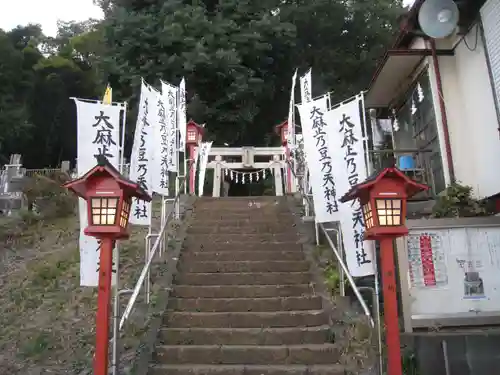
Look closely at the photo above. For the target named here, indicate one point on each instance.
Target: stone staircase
(243, 301)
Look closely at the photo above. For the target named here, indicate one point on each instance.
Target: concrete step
(244, 266)
(246, 304)
(250, 278)
(178, 319)
(307, 354)
(249, 370)
(225, 256)
(245, 336)
(200, 245)
(241, 291)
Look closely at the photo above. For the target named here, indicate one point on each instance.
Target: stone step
(247, 304)
(248, 229)
(250, 278)
(244, 222)
(235, 238)
(307, 354)
(330, 369)
(178, 319)
(215, 214)
(225, 256)
(241, 291)
(193, 244)
(244, 266)
(245, 336)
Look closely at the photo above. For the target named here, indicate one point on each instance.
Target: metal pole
(444, 344)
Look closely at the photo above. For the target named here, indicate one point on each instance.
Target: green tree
(238, 56)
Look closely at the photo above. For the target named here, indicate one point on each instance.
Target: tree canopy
(237, 56)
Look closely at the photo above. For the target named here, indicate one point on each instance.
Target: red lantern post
(194, 135)
(109, 198)
(282, 130)
(383, 202)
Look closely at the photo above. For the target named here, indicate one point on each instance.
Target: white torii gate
(217, 162)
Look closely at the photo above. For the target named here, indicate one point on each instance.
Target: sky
(48, 12)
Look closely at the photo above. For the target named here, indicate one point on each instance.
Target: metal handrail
(152, 253)
(339, 258)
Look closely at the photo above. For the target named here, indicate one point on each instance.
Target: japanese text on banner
(345, 134)
(169, 93)
(98, 129)
(181, 115)
(159, 172)
(318, 154)
(204, 150)
(142, 154)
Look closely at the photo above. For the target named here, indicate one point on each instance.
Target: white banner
(318, 154)
(306, 87)
(98, 132)
(159, 172)
(142, 154)
(169, 93)
(291, 108)
(181, 116)
(202, 155)
(346, 138)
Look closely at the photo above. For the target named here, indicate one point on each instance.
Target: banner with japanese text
(349, 168)
(142, 154)
(169, 93)
(159, 172)
(181, 115)
(291, 109)
(305, 87)
(318, 154)
(203, 151)
(98, 129)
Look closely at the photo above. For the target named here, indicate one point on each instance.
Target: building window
(418, 130)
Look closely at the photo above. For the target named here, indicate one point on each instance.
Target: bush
(47, 198)
(457, 201)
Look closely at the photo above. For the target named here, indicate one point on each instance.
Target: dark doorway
(250, 189)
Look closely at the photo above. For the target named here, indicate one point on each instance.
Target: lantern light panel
(389, 212)
(125, 213)
(368, 215)
(191, 135)
(104, 210)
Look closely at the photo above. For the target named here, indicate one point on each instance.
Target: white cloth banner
(98, 132)
(319, 154)
(159, 172)
(181, 116)
(291, 108)
(346, 138)
(169, 93)
(306, 87)
(142, 154)
(202, 155)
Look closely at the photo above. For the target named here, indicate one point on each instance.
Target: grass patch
(47, 321)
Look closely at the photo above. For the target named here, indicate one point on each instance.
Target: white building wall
(472, 118)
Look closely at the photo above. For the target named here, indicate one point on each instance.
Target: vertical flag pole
(369, 171)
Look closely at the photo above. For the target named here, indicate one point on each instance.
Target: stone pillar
(217, 176)
(278, 179)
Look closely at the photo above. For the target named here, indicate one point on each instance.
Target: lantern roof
(200, 128)
(103, 168)
(277, 128)
(412, 187)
